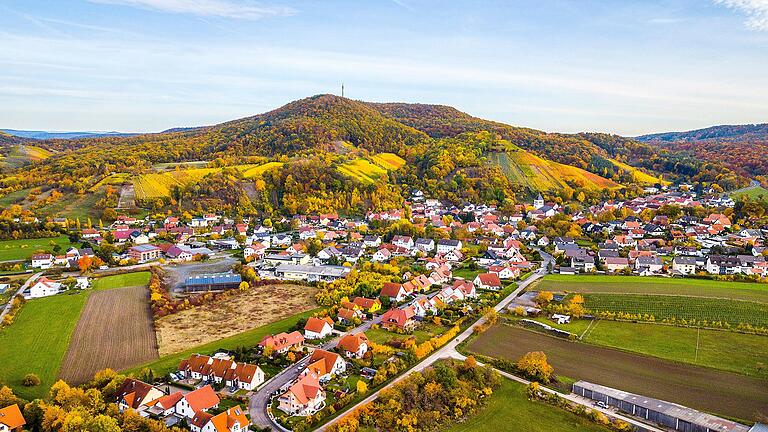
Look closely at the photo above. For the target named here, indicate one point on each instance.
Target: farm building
(310, 273)
(212, 282)
(667, 414)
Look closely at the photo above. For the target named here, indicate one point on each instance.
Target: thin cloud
(246, 10)
(756, 11)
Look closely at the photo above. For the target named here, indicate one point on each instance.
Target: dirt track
(114, 331)
(696, 387)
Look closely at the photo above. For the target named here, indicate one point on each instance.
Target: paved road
(260, 400)
(26, 284)
(449, 349)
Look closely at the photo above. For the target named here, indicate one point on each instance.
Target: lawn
(576, 326)
(509, 409)
(120, 280)
(249, 338)
(422, 333)
(466, 273)
(11, 250)
(37, 341)
(710, 348)
(662, 307)
(701, 388)
(654, 285)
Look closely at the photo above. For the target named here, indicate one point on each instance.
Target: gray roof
(684, 260)
(671, 409)
(216, 278)
(334, 271)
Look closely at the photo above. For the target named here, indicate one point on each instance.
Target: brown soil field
(241, 312)
(705, 389)
(114, 331)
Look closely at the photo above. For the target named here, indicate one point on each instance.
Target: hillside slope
(750, 132)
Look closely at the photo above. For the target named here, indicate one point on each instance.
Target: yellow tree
(535, 365)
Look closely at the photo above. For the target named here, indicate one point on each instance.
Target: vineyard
(529, 170)
(159, 185)
(692, 310)
(372, 169)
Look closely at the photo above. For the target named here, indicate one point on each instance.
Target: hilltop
(749, 132)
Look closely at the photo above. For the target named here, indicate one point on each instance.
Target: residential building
(353, 345)
(318, 328)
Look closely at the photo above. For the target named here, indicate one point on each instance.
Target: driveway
(26, 285)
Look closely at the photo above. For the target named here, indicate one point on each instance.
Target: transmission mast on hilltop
(342, 89)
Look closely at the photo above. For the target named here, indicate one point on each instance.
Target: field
(233, 315)
(115, 331)
(120, 280)
(11, 250)
(711, 348)
(697, 387)
(37, 341)
(14, 197)
(686, 308)
(757, 193)
(638, 175)
(160, 184)
(22, 154)
(509, 409)
(372, 169)
(111, 180)
(654, 285)
(529, 170)
(248, 338)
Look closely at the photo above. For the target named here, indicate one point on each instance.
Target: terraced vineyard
(734, 312)
(529, 170)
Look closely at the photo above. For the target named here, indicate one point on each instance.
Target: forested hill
(751, 132)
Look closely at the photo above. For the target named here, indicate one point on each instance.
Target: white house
(325, 364)
(448, 245)
(403, 241)
(353, 345)
(382, 255)
(42, 261)
(195, 401)
(318, 328)
(43, 287)
(684, 265)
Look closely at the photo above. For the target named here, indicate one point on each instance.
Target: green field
(250, 338)
(758, 193)
(686, 308)
(22, 249)
(37, 341)
(654, 285)
(529, 170)
(13, 197)
(711, 348)
(509, 409)
(120, 280)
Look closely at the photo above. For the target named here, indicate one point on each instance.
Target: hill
(750, 132)
(741, 148)
(44, 135)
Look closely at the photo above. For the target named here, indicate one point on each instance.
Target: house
(585, 263)
(615, 264)
(394, 291)
(382, 255)
(718, 219)
(372, 241)
(198, 400)
(454, 256)
(304, 398)
(347, 316)
(255, 250)
(244, 376)
(723, 265)
(325, 365)
(11, 419)
(42, 261)
(488, 281)
(231, 420)
(282, 342)
(43, 287)
(144, 253)
(353, 345)
(219, 369)
(403, 241)
(685, 265)
(399, 319)
(368, 305)
(447, 245)
(328, 253)
(466, 288)
(648, 264)
(318, 328)
(176, 253)
(505, 272)
(425, 245)
(136, 395)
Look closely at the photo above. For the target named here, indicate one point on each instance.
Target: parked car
(602, 404)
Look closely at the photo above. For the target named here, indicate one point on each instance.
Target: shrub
(30, 380)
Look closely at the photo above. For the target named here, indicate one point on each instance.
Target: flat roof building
(212, 282)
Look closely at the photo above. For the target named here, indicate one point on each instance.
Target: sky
(626, 67)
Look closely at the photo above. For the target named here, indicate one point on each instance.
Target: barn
(212, 282)
(667, 414)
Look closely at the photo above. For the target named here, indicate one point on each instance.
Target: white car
(602, 404)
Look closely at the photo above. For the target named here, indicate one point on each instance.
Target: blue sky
(627, 67)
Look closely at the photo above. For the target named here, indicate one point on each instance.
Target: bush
(30, 380)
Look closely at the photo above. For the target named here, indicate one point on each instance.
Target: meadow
(120, 280)
(702, 388)
(653, 285)
(22, 249)
(509, 409)
(710, 348)
(757, 193)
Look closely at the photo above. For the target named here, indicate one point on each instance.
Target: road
(26, 284)
(260, 400)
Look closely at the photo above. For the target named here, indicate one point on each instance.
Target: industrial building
(666, 414)
(212, 282)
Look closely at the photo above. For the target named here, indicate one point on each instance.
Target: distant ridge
(44, 135)
(748, 132)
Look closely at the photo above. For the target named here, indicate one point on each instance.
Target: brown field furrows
(114, 331)
(241, 312)
(701, 388)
